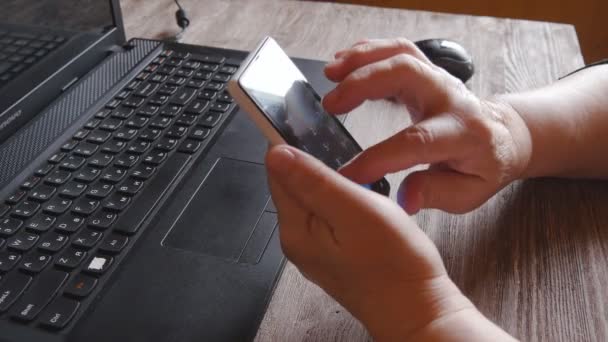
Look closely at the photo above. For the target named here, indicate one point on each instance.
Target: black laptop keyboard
(67, 226)
(20, 50)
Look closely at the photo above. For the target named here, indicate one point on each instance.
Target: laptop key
(204, 75)
(101, 160)
(159, 99)
(70, 258)
(57, 177)
(171, 110)
(133, 85)
(40, 223)
(87, 174)
(184, 72)
(176, 132)
(110, 124)
(44, 170)
(113, 244)
(197, 107)
(59, 313)
(15, 197)
(167, 89)
(137, 122)
(160, 122)
(99, 137)
(98, 265)
(126, 134)
(143, 171)
(52, 243)
(176, 80)
(138, 147)
(103, 113)
(155, 157)
(86, 239)
(158, 78)
(85, 149)
(113, 175)
(189, 146)
(123, 113)
(56, 206)
(148, 110)
(56, 158)
(146, 89)
(11, 289)
(34, 262)
(186, 120)
(81, 134)
(130, 221)
(220, 107)
(29, 184)
(44, 288)
(9, 226)
(102, 220)
(80, 286)
(150, 134)
(69, 146)
(210, 120)
(92, 124)
(199, 133)
(126, 160)
(22, 242)
(130, 187)
(116, 202)
(99, 190)
(72, 190)
(69, 223)
(84, 206)
(8, 260)
(25, 209)
(113, 146)
(72, 163)
(195, 83)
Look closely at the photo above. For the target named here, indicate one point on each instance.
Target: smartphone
(285, 107)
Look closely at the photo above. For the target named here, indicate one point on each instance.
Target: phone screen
(282, 92)
(293, 107)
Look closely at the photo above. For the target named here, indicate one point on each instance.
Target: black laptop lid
(46, 45)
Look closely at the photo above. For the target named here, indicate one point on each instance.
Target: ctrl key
(59, 313)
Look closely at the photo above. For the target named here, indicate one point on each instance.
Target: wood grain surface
(534, 258)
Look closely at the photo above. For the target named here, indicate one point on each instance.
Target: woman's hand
(364, 250)
(474, 147)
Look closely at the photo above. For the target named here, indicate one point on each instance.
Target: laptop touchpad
(225, 213)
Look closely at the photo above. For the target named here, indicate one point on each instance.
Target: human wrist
(465, 325)
(406, 316)
(518, 149)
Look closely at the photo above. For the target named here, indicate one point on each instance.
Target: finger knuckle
(404, 44)
(420, 137)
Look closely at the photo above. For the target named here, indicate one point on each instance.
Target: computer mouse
(450, 56)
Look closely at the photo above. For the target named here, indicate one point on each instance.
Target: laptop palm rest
(225, 217)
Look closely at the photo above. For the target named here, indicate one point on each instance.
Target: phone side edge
(254, 113)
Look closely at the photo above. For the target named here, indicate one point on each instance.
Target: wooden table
(534, 259)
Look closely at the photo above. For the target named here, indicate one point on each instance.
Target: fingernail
(280, 160)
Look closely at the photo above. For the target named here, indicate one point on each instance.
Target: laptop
(134, 203)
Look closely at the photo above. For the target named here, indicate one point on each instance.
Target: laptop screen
(69, 15)
(46, 45)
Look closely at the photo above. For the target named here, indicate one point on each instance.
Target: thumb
(441, 189)
(315, 186)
